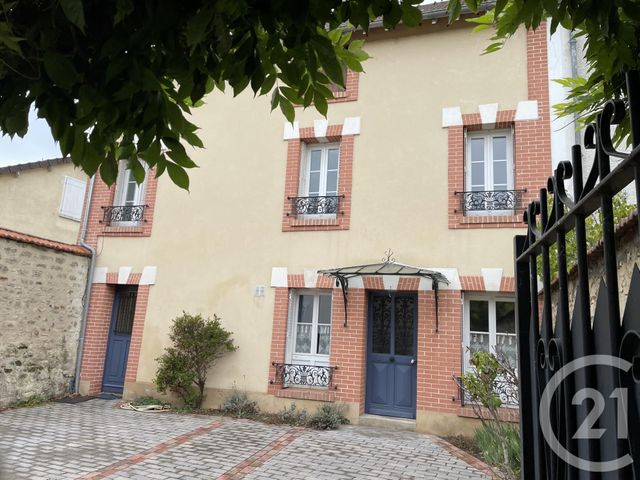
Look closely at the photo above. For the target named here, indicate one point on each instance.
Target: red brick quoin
(532, 143)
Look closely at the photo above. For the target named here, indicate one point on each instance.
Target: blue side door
(115, 365)
(391, 355)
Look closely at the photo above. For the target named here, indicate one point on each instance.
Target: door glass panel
(477, 150)
(314, 184)
(324, 339)
(334, 155)
(505, 317)
(381, 325)
(477, 176)
(315, 161)
(332, 183)
(499, 148)
(479, 342)
(506, 349)
(324, 324)
(403, 341)
(479, 316)
(500, 175)
(125, 313)
(304, 324)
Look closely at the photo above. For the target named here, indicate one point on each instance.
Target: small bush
(197, 344)
(328, 417)
(293, 416)
(494, 448)
(147, 400)
(237, 404)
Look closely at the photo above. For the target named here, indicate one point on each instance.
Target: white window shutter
(72, 198)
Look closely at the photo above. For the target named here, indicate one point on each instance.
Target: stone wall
(41, 290)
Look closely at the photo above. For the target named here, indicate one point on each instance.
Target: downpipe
(87, 291)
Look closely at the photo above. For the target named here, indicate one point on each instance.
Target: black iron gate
(580, 369)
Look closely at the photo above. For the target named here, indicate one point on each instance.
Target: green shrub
(237, 404)
(328, 417)
(495, 447)
(147, 400)
(292, 416)
(197, 344)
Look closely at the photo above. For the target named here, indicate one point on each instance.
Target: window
(309, 333)
(72, 198)
(489, 180)
(489, 325)
(128, 202)
(319, 181)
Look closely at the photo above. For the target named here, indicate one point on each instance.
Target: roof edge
(44, 242)
(33, 165)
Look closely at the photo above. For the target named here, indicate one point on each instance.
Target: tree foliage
(611, 29)
(117, 79)
(197, 344)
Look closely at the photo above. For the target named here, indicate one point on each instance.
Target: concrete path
(95, 440)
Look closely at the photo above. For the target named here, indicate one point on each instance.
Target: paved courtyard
(95, 440)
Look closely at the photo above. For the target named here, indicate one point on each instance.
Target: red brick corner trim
(350, 93)
(43, 242)
(292, 181)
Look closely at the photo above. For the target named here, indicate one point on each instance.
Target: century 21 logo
(586, 430)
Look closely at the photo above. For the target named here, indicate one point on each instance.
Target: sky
(36, 145)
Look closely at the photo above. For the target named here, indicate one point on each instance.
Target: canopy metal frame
(388, 267)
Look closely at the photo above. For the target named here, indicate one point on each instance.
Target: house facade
(357, 258)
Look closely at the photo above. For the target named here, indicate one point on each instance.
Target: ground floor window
(309, 332)
(489, 325)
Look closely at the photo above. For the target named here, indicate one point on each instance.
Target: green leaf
(138, 170)
(109, 171)
(178, 175)
(320, 103)
(60, 69)
(287, 109)
(411, 16)
(74, 11)
(275, 99)
(8, 39)
(123, 8)
(198, 25)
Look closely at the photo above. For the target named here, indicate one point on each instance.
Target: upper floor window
(490, 325)
(309, 333)
(318, 192)
(128, 202)
(489, 179)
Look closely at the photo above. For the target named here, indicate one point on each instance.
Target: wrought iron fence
(123, 213)
(323, 205)
(487, 200)
(548, 342)
(289, 374)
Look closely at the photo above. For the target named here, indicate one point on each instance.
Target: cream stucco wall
(30, 202)
(215, 244)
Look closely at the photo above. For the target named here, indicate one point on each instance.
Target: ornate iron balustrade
(573, 337)
(123, 213)
(506, 391)
(288, 374)
(479, 201)
(326, 205)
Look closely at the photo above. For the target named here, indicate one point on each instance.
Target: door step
(391, 423)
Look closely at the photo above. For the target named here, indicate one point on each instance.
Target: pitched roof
(31, 165)
(43, 242)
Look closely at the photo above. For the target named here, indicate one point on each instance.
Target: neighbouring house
(357, 258)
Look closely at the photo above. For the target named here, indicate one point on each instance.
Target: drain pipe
(87, 291)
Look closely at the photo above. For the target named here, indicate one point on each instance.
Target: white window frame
(125, 176)
(305, 176)
(294, 302)
(65, 211)
(466, 330)
(489, 183)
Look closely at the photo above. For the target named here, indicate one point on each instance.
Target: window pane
(334, 155)
(477, 149)
(403, 340)
(303, 338)
(305, 309)
(324, 309)
(332, 182)
(499, 148)
(324, 339)
(381, 328)
(314, 184)
(477, 176)
(478, 342)
(507, 349)
(505, 317)
(479, 315)
(500, 173)
(314, 164)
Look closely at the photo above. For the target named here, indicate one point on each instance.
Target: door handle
(391, 359)
(413, 361)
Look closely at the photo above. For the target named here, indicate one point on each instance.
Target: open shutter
(72, 198)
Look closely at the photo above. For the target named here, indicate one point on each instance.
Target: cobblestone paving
(95, 440)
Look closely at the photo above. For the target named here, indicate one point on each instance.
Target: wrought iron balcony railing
(289, 374)
(326, 205)
(506, 391)
(123, 214)
(487, 200)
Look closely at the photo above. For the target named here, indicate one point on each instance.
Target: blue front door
(391, 355)
(115, 365)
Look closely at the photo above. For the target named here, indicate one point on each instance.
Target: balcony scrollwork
(127, 214)
(319, 205)
(288, 374)
(490, 200)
